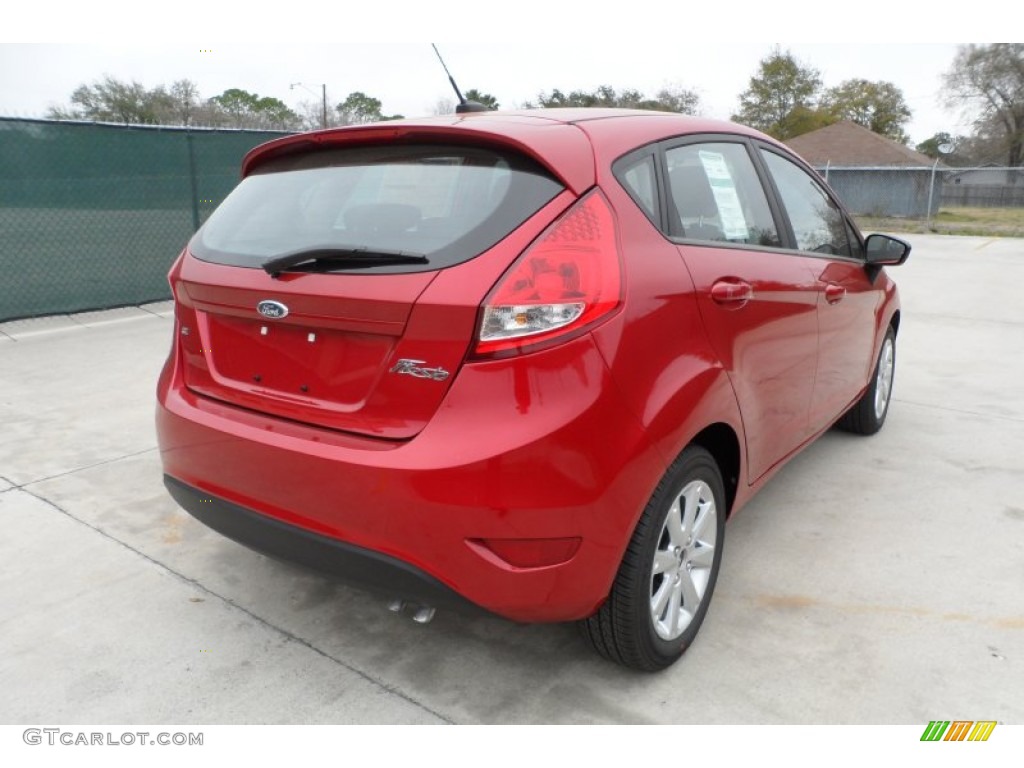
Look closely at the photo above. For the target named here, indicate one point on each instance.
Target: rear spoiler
(561, 148)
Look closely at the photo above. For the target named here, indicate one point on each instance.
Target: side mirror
(883, 250)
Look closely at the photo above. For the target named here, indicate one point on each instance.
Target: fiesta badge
(275, 310)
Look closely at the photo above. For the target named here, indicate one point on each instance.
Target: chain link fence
(92, 215)
(886, 191)
(921, 192)
(986, 187)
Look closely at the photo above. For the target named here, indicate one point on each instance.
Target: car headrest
(692, 192)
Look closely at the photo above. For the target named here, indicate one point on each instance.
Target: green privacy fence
(92, 215)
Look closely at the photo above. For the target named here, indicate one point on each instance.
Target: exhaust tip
(421, 614)
(424, 614)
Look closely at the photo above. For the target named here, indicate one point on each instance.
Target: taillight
(184, 311)
(174, 273)
(569, 279)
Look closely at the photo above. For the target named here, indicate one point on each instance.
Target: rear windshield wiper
(356, 256)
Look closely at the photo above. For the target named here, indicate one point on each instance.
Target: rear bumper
(323, 553)
(539, 451)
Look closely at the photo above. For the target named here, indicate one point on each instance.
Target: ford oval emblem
(272, 309)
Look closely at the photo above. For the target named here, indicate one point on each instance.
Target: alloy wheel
(883, 379)
(683, 560)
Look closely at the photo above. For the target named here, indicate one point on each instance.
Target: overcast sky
(407, 78)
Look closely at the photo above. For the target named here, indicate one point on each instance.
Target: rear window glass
(447, 203)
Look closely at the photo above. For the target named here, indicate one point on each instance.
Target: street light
(323, 87)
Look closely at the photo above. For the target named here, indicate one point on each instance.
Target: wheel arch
(722, 442)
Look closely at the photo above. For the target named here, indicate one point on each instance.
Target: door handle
(834, 293)
(733, 294)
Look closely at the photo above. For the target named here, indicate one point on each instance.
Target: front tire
(868, 414)
(664, 585)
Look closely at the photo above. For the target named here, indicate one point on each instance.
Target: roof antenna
(463, 105)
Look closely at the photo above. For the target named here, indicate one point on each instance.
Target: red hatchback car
(528, 361)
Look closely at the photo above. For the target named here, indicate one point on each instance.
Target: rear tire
(868, 414)
(665, 581)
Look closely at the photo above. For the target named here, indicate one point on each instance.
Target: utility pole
(323, 91)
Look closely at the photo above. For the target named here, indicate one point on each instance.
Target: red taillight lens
(174, 273)
(184, 310)
(565, 282)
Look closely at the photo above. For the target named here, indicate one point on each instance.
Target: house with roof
(872, 174)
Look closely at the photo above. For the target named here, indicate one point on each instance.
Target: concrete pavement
(875, 580)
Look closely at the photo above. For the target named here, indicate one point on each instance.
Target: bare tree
(990, 78)
(111, 100)
(185, 102)
(444, 106)
(311, 113)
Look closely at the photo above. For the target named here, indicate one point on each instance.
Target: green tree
(602, 96)
(677, 99)
(990, 78)
(358, 108)
(674, 99)
(250, 110)
(276, 113)
(779, 96)
(878, 106)
(482, 98)
(803, 119)
(236, 103)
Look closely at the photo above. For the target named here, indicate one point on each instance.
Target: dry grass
(979, 222)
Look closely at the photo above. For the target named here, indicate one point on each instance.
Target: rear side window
(447, 203)
(717, 195)
(637, 176)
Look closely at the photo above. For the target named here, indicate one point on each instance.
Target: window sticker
(734, 224)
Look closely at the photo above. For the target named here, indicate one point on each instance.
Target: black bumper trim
(357, 565)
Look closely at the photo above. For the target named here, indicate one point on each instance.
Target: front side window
(448, 204)
(856, 249)
(717, 195)
(818, 224)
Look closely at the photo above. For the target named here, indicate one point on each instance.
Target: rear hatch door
(361, 344)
